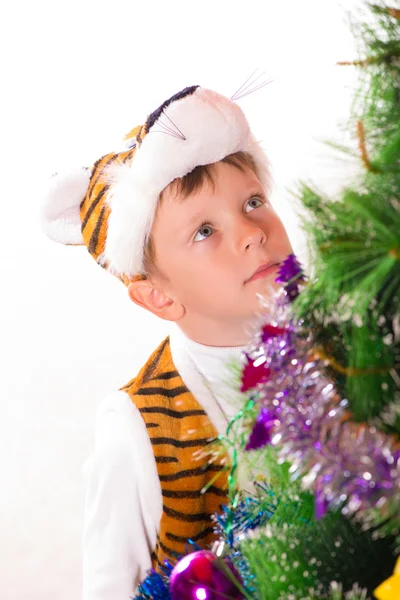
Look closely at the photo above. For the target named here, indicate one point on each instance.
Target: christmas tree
(323, 386)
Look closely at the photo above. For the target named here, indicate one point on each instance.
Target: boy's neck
(219, 334)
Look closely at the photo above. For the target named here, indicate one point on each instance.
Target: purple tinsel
(290, 274)
(264, 425)
(348, 465)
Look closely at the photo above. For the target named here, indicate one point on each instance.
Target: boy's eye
(204, 232)
(253, 203)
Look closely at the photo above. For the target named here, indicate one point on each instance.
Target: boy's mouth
(263, 271)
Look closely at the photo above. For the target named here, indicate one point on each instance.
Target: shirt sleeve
(123, 503)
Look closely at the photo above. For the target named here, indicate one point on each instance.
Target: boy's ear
(145, 293)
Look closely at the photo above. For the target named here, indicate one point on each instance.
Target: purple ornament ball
(200, 576)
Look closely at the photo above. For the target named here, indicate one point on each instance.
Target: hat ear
(61, 208)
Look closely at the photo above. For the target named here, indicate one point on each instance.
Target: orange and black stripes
(172, 413)
(166, 459)
(195, 538)
(93, 205)
(153, 391)
(192, 494)
(178, 428)
(188, 473)
(94, 210)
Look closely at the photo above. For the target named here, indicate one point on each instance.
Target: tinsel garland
(348, 465)
(251, 512)
(154, 587)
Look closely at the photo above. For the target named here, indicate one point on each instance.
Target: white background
(75, 77)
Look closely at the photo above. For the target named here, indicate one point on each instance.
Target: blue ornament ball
(202, 576)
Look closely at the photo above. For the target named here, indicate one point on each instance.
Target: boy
(183, 219)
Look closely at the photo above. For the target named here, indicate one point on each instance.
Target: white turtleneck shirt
(123, 499)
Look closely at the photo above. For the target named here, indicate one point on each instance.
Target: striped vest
(179, 428)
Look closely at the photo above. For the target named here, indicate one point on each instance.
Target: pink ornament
(270, 331)
(202, 576)
(253, 374)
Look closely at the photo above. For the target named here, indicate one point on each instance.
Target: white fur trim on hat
(213, 127)
(61, 209)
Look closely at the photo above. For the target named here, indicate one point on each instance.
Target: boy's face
(209, 246)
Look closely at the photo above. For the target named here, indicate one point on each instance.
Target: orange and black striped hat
(110, 207)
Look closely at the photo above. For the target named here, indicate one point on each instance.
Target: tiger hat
(110, 208)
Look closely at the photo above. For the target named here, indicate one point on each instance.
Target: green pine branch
(353, 302)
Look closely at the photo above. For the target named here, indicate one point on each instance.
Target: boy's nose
(251, 236)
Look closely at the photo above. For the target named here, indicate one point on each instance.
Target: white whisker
(251, 91)
(250, 84)
(178, 137)
(174, 124)
(166, 127)
(243, 84)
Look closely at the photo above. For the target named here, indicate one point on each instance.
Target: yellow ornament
(390, 589)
